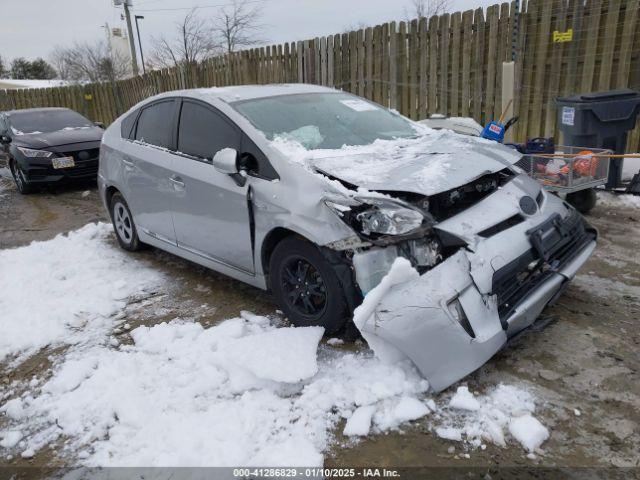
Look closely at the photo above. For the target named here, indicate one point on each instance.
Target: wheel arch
(109, 192)
(271, 239)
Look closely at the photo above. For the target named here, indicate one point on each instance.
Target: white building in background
(118, 43)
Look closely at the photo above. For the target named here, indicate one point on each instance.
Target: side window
(202, 132)
(155, 124)
(126, 126)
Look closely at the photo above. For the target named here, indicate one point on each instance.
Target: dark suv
(49, 145)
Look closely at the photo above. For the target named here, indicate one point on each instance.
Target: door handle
(127, 162)
(177, 182)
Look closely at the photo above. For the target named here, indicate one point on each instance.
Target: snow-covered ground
(247, 391)
(618, 200)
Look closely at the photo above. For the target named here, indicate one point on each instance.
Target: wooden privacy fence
(449, 64)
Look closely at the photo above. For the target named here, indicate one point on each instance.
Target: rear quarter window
(127, 124)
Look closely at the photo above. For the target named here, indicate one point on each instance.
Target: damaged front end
(489, 257)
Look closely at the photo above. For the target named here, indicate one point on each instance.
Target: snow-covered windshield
(43, 121)
(324, 120)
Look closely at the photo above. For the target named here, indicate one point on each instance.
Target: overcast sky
(31, 28)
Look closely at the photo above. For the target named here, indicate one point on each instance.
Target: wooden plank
(432, 82)
(608, 40)
(337, 61)
(393, 66)
(401, 70)
(300, 61)
(384, 73)
(423, 54)
(504, 44)
(323, 60)
(478, 65)
(559, 8)
(368, 63)
(632, 9)
(330, 61)
(413, 61)
(280, 66)
(535, 128)
(465, 85)
(454, 86)
(345, 51)
(361, 62)
(593, 26)
(492, 62)
(377, 64)
(443, 52)
(353, 61)
(528, 23)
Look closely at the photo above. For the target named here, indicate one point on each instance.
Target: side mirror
(5, 139)
(99, 124)
(226, 161)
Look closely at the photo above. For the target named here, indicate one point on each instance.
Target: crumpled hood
(430, 164)
(58, 138)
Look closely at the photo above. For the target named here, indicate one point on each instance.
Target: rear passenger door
(211, 212)
(148, 165)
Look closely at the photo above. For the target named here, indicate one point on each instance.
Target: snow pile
(244, 392)
(241, 393)
(63, 291)
(431, 162)
(488, 418)
(618, 201)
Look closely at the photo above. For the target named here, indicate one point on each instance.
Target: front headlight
(391, 220)
(377, 216)
(30, 152)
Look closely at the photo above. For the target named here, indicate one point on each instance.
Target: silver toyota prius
(315, 194)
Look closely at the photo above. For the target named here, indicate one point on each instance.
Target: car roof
(248, 92)
(27, 110)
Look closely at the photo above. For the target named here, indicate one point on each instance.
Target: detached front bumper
(456, 316)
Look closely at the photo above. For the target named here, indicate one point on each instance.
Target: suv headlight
(377, 216)
(30, 152)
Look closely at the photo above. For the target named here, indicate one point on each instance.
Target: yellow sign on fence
(561, 37)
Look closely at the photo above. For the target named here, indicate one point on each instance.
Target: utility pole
(140, 17)
(132, 43)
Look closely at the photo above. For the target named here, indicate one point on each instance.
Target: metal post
(136, 17)
(132, 44)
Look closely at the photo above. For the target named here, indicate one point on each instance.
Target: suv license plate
(63, 162)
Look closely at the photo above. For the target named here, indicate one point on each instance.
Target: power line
(197, 6)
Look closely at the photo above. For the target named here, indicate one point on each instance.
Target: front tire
(123, 225)
(306, 287)
(22, 184)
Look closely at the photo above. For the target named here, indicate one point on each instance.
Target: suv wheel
(306, 287)
(22, 183)
(123, 224)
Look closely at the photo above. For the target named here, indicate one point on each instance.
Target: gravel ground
(581, 358)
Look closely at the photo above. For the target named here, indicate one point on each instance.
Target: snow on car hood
(433, 162)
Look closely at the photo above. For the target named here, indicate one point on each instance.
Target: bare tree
(238, 25)
(93, 62)
(426, 8)
(194, 41)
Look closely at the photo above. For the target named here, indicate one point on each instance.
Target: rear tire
(123, 225)
(22, 184)
(306, 287)
(583, 200)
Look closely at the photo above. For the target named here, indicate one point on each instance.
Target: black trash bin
(600, 120)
